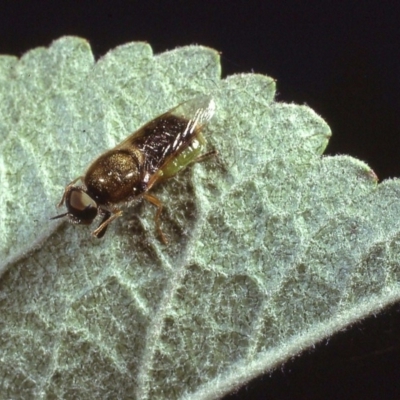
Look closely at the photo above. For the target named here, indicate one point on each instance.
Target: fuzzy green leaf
(272, 246)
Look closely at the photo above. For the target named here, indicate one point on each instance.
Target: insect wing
(196, 112)
(165, 137)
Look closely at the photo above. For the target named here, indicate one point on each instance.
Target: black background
(340, 58)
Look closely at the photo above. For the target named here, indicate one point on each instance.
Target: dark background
(340, 58)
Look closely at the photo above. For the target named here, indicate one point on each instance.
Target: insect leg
(205, 156)
(153, 200)
(67, 189)
(107, 219)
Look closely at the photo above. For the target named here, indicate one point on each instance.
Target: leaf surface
(272, 246)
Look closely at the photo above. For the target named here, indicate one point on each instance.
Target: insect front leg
(107, 219)
(67, 189)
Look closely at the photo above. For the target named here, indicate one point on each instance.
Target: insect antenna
(59, 216)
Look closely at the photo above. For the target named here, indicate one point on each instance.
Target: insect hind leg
(205, 156)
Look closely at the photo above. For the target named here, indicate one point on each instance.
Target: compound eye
(81, 206)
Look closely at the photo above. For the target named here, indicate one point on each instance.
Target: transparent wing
(197, 112)
(166, 136)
